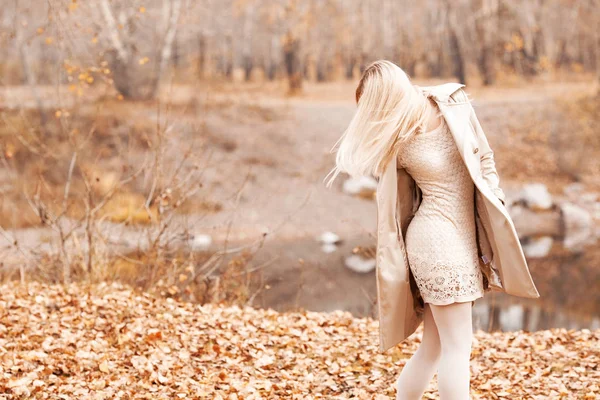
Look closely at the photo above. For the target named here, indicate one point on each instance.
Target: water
(568, 283)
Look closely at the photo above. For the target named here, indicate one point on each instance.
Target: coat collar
(441, 92)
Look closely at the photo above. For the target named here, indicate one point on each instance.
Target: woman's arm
(488, 165)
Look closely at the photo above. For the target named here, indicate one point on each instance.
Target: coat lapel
(459, 125)
(457, 119)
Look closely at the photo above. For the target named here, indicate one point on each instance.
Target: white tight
(447, 340)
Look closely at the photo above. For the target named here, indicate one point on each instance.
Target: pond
(568, 283)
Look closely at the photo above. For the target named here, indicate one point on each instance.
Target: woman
(444, 236)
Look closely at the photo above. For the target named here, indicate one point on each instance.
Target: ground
(110, 342)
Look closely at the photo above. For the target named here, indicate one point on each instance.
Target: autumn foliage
(109, 342)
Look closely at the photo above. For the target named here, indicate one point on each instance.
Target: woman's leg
(456, 336)
(421, 367)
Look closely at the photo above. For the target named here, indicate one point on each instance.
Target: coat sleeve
(488, 165)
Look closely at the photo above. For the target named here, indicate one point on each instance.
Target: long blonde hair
(390, 111)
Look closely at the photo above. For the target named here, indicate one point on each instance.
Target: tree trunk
(598, 58)
(248, 29)
(167, 43)
(457, 57)
(486, 27)
(350, 64)
(201, 66)
(176, 54)
(274, 51)
(454, 44)
(247, 67)
(486, 65)
(271, 70)
(132, 79)
(293, 67)
(321, 70)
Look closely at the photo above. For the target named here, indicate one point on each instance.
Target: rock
(329, 238)
(360, 186)
(536, 196)
(359, 264)
(577, 223)
(538, 247)
(329, 248)
(200, 242)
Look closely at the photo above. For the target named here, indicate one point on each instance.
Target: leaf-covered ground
(110, 342)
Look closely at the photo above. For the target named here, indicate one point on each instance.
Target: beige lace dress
(441, 238)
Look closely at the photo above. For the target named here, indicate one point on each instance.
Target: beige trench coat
(400, 306)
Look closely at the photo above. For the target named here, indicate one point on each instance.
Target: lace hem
(442, 282)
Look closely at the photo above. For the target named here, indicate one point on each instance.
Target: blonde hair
(390, 111)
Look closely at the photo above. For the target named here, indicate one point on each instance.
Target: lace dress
(441, 238)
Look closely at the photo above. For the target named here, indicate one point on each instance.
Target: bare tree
(131, 76)
(305, 39)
